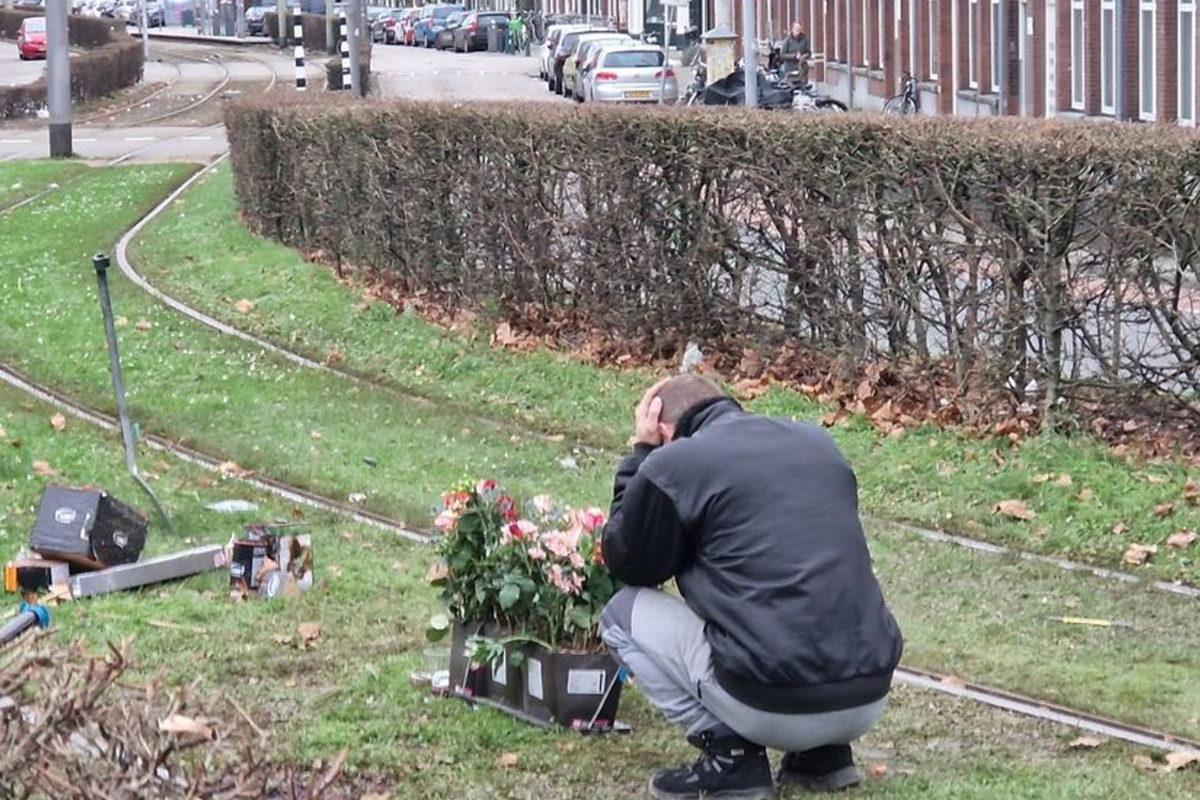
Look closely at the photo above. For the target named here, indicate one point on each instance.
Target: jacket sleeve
(805, 48)
(644, 542)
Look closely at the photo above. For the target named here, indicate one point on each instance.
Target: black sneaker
(822, 769)
(729, 769)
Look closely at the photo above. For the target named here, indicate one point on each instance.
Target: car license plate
(643, 94)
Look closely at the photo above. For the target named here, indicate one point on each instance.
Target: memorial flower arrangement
(536, 573)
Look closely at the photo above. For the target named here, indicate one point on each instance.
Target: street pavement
(14, 71)
(416, 73)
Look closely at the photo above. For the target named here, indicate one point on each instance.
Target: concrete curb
(249, 41)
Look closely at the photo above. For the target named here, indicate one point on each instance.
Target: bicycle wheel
(894, 105)
(909, 107)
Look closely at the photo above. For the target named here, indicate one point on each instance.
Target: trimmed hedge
(112, 61)
(997, 252)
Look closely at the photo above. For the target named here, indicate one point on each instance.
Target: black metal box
(88, 528)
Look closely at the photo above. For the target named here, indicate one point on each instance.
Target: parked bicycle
(908, 102)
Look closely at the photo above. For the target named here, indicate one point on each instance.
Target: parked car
(375, 17)
(408, 21)
(430, 21)
(256, 24)
(389, 26)
(555, 75)
(443, 39)
(574, 62)
(472, 34)
(554, 35)
(630, 74)
(31, 38)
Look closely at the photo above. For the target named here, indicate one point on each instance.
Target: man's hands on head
(646, 417)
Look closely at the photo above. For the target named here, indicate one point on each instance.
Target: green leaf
(509, 596)
(437, 628)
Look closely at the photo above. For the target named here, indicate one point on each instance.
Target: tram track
(1044, 710)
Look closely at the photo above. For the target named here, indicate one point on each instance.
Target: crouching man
(782, 639)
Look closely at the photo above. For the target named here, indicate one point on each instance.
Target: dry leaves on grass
(1173, 762)
(334, 357)
(186, 726)
(243, 306)
(1086, 495)
(877, 771)
(143, 325)
(309, 633)
(1120, 529)
(58, 422)
(1085, 743)
(1164, 509)
(507, 760)
(233, 469)
(1139, 554)
(44, 470)
(1014, 509)
(1191, 491)
(1182, 540)
(1064, 481)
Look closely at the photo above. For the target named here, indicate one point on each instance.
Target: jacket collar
(703, 413)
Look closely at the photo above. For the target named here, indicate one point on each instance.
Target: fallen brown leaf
(1164, 509)
(1088, 742)
(1191, 491)
(1139, 554)
(877, 771)
(1157, 480)
(243, 306)
(1182, 540)
(507, 760)
(955, 681)
(1042, 477)
(376, 796)
(333, 357)
(438, 571)
(58, 422)
(1179, 760)
(1144, 763)
(1014, 509)
(44, 470)
(1120, 528)
(232, 468)
(143, 325)
(1086, 495)
(503, 335)
(121, 322)
(309, 631)
(178, 723)
(282, 638)
(1063, 481)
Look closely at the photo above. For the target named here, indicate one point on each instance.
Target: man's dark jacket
(757, 521)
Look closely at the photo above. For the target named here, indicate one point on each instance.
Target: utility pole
(58, 78)
(354, 34)
(281, 11)
(750, 50)
(239, 12)
(145, 26)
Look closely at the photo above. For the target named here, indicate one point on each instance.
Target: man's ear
(667, 431)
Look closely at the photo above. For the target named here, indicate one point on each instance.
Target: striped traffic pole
(344, 49)
(298, 33)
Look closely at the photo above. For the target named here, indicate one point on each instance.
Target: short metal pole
(101, 264)
(58, 79)
(145, 26)
(344, 51)
(750, 51)
(27, 617)
(301, 76)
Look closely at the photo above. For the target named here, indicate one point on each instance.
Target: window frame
(933, 39)
(1147, 102)
(1108, 59)
(1078, 56)
(973, 44)
(1186, 7)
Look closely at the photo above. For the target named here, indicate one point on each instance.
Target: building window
(933, 40)
(973, 44)
(836, 50)
(1108, 57)
(1146, 65)
(1187, 62)
(879, 35)
(866, 32)
(997, 56)
(1077, 54)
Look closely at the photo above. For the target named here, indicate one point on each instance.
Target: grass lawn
(199, 252)
(352, 690)
(22, 179)
(978, 616)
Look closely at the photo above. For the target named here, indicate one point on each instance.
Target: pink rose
(445, 521)
(537, 553)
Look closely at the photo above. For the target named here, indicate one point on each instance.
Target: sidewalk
(194, 35)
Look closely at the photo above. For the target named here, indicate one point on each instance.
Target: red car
(31, 38)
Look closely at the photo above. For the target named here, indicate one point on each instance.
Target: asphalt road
(14, 71)
(170, 119)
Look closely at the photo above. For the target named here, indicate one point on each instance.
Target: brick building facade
(1124, 59)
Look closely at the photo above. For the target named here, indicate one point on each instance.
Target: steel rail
(997, 698)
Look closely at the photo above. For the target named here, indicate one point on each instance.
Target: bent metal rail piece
(1008, 701)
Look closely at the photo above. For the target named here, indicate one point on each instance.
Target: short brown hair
(682, 392)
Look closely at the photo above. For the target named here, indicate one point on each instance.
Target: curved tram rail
(1026, 706)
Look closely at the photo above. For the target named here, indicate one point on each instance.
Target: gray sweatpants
(661, 642)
